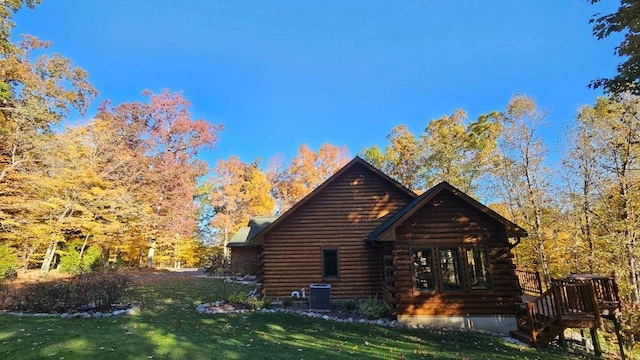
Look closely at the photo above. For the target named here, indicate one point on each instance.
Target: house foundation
(493, 323)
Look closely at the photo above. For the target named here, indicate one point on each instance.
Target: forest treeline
(127, 188)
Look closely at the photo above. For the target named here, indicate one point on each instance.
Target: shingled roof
(254, 227)
(386, 228)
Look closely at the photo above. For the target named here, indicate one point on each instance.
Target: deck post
(616, 325)
(596, 342)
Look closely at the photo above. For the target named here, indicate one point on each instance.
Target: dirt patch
(35, 275)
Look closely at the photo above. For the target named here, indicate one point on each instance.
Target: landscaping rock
(132, 311)
(97, 314)
(119, 312)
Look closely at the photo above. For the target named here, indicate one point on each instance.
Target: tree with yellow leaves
(238, 191)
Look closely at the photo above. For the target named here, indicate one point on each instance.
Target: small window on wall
(423, 269)
(478, 265)
(450, 269)
(330, 263)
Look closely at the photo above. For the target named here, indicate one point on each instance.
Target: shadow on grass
(170, 328)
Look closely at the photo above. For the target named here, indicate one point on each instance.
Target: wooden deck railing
(530, 281)
(605, 289)
(541, 313)
(577, 301)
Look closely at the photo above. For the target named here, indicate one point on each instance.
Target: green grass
(170, 328)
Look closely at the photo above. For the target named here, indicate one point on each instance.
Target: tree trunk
(48, 257)
(633, 275)
(586, 206)
(84, 245)
(151, 254)
(106, 254)
(176, 251)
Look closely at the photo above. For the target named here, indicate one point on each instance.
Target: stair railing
(541, 313)
(530, 281)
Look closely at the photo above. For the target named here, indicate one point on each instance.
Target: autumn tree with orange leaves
(304, 173)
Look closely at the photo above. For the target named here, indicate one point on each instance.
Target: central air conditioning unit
(320, 297)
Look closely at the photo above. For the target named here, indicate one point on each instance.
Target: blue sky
(278, 74)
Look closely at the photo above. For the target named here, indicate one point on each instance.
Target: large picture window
(478, 267)
(450, 269)
(330, 263)
(423, 269)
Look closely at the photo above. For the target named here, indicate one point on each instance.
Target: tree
(401, 159)
(35, 93)
(41, 93)
(459, 153)
(171, 140)
(523, 179)
(7, 8)
(624, 20)
(582, 187)
(304, 173)
(450, 149)
(613, 128)
(238, 192)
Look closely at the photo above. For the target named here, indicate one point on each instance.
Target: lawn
(170, 328)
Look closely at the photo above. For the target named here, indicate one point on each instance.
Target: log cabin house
(440, 259)
(246, 258)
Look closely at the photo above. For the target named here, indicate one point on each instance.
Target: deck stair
(578, 301)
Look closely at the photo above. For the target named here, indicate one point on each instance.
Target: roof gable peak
(355, 161)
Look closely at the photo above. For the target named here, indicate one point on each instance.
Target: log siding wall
(449, 222)
(339, 217)
(245, 260)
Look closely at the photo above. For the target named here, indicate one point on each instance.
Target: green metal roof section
(245, 234)
(240, 238)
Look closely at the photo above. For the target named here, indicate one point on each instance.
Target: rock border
(133, 310)
(203, 309)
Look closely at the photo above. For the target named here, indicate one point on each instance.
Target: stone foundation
(491, 323)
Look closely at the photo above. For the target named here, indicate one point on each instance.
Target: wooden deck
(577, 301)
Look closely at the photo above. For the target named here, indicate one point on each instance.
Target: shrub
(72, 263)
(253, 303)
(213, 260)
(99, 289)
(238, 298)
(8, 261)
(373, 308)
(286, 302)
(350, 305)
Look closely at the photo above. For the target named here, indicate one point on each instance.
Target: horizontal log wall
(447, 221)
(339, 217)
(245, 260)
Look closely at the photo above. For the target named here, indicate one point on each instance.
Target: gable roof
(403, 214)
(245, 234)
(256, 240)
